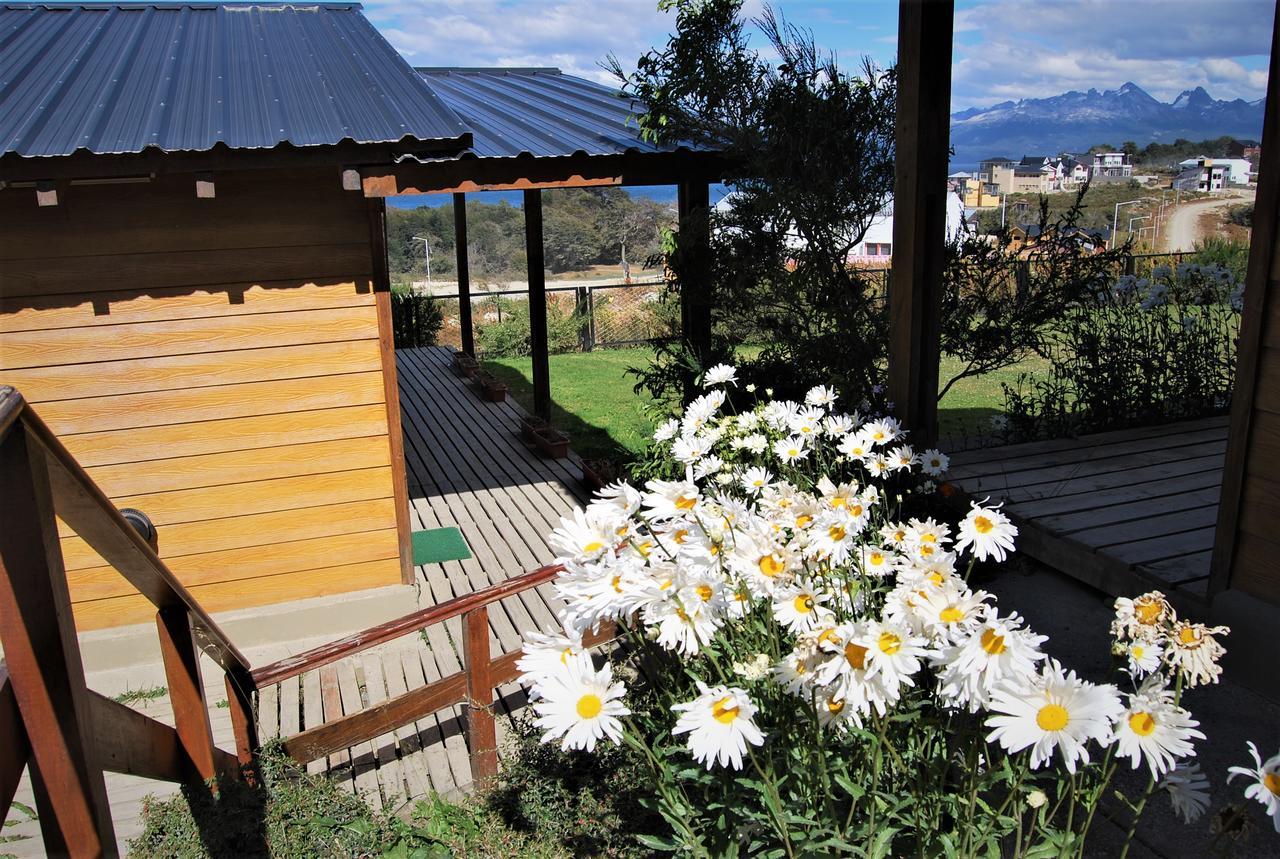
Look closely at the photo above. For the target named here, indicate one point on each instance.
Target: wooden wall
(216, 363)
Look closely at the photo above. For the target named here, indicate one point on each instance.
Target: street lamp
(1115, 218)
(426, 245)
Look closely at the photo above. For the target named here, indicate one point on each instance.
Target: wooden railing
(69, 735)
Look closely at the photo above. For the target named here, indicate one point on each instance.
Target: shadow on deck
(1123, 511)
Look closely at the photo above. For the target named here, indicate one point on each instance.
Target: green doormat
(437, 545)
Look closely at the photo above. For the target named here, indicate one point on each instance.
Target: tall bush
(416, 319)
(505, 330)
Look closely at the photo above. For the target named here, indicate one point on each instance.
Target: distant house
(1028, 236)
(1111, 167)
(1072, 172)
(1246, 149)
(876, 247)
(1234, 171)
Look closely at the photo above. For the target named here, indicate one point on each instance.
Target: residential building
(1203, 175)
(1111, 167)
(876, 247)
(1236, 170)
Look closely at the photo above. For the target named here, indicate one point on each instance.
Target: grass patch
(144, 696)
(594, 400)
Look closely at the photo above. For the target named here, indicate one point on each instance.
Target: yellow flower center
(935, 577)
(686, 502)
(1272, 782)
(1142, 724)
(928, 538)
(856, 654)
(1052, 717)
(680, 613)
(836, 533)
(1148, 611)
(889, 643)
(950, 614)
(725, 710)
(983, 525)
(680, 536)
(1189, 635)
(704, 592)
(621, 530)
(856, 510)
(835, 706)
(793, 451)
(839, 502)
(714, 549)
(589, 706)
(899, 535)
(827, 635)
(992, 643)
(875, 559)
(926, 550)
(878, 436)
(803, 604)
(802, 521)
(593, 546)
(770, 565)
(1137, 651)
(617, 584)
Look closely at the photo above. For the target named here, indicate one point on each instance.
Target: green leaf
(655, 842)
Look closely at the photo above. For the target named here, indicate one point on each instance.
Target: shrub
(589, 805)
(504, 331)
(294, 814)
(1229, 254)
(416, 319)
(1151, 350)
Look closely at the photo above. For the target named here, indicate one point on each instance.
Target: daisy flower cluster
(775, 573)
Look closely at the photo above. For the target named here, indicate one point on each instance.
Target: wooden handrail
(292, 666)
(86, 509)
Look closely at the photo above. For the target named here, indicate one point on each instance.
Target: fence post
(582, 309)
(43, 657)
(243, 723)
(484, 740)
(186, 689)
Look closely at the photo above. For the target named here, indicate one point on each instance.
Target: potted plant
(546, 438)
(465, 364)
(598, 473)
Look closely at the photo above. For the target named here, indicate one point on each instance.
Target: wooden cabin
(195, 301)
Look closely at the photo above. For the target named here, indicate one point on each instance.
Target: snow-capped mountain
(1074, 121)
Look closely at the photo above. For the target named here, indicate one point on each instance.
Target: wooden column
(537, 304)
(694, 207)
(377, 213)
(464, 273)
(1258, 322)
(186, 689)
(43, 658)
(919, 212)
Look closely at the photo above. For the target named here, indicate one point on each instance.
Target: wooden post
(693, 203)
(463, 257)
(186, 689)
(484, 740)
(919, 212)
(537, 304)
(43, 658)
(243, 723)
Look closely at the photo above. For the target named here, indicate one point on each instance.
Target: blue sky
(1004, 49)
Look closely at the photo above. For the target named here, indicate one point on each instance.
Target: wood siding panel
(224, 596)
(217, 364)
(259, 529)
(183, 372)
(140, 444)
(152, 340)
(114, 308)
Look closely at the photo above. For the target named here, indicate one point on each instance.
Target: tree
(810, 150)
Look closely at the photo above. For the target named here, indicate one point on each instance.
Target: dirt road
(1182, 229)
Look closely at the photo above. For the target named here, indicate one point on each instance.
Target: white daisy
(720, 374)
(580, 706)
(756, 480)
(1054, 710)
(1155, 728)
(820, 396)
(790, 449)
(549, 654)
(720, 723)
(669, 499)
(934, 462)
(856, 446)
(1188, 790)
(667, 430)
(1142, 657)
(882, 431)
(581, 537)
(1144, 618)
(799, 607)
(997, 652)
(988, 531)
(689, 449)
(1265, 787)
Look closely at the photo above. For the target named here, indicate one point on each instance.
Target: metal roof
(122, 77)
(539, 112)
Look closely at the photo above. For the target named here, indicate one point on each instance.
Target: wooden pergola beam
(694, 207)
(919, 211)
(527, 173)
(538, 345)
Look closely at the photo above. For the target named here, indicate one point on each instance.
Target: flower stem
(1137, 816)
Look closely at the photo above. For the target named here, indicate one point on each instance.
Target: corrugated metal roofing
(122, 77)
(540, 112)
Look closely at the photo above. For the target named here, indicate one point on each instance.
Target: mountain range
(1074, 121)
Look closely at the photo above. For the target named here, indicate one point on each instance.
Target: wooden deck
(1124, 511)
(467, 467)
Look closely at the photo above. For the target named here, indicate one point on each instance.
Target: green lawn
(595, 402)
